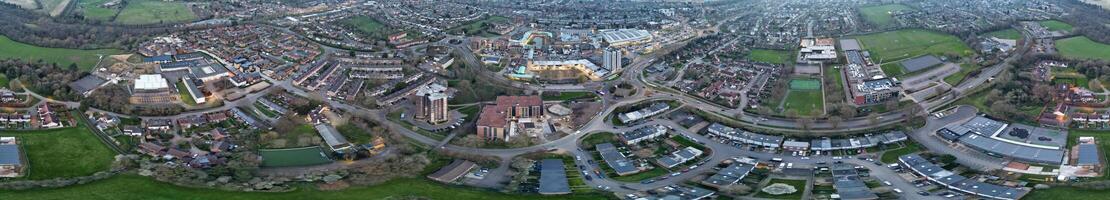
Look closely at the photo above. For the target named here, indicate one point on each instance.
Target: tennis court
(304, 156)
(805, 84)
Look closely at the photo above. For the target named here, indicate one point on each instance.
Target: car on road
(837, 157)
(805, 158)
(649, 181)
(923, 193)
(896, 190)
(887, 183)
(676, 174)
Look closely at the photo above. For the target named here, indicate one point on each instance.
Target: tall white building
(612, 60)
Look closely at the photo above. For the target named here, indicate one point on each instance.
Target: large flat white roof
(151, 82)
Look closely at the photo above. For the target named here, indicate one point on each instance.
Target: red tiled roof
(492, 115)
(519, 101)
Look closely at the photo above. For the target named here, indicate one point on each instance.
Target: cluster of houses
(652, 110)
(725, 79)
(821, 144)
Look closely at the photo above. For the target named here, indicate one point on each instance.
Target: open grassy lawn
(369, 26)
(478, 27)
(471, 112)
(881, 15)
(91, 9)
(804, 101)
(770, 56)
(1066, 193)
(593, 139)
(1006, 34)
(184, 93)
(155, 12)
(134, 187)
(892, 68)
(4, 81)
(1054, 25)
(891, 156)
(800, 185)
(85, 59)
(892, 46)
(66, 152)
(644, 175)
(959, 76)
(355, 135)
(1082, 47)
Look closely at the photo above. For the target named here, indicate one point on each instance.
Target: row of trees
(70, 31)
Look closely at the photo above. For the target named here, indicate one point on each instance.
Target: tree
(834, 121)
(470, 141)
(287, 123)
(1044, 93)
(847, 111)
(521, 163)
(873, 119)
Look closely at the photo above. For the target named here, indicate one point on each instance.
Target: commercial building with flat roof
(652, 110)
(769, 141)
(332, 137)
(453, 171)
(935, 173)
(678, 157)
(643, 133)
(625, 37)
(617, 161)
(729, 175)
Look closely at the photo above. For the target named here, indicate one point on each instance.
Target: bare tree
(834, 121)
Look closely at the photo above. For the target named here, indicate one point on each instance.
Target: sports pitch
(805, 84)
(304, 156)
(892, 46)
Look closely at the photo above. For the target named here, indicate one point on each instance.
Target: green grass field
(770, 56)
(959, 76)
(1082, 47)
(881, 15)
(593, 139)
(66, 152)
(91, 10)
(892, 46)
(134, 187)
(304, 156)
(1006, 34)
(644, 175)
(4, 81)
(154, 12)
(184, 93)
(1054, 25)
(476, 28)
(804, 101)
(800, 185)
(891, 156)
(368, 26)
(892, 68)
(85, 59)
